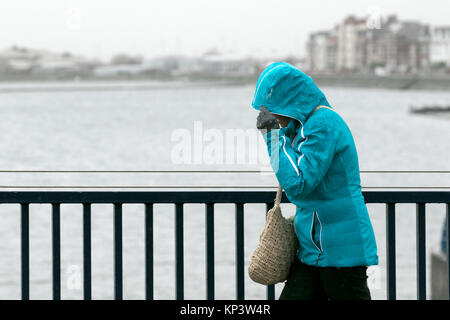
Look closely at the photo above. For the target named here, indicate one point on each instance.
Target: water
(122, 129)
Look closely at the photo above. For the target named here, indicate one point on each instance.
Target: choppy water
(131, 130)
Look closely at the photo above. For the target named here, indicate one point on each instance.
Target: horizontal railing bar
(209, 171)
(201, 196)
(436, 188)
(409, 188)
(405, 171)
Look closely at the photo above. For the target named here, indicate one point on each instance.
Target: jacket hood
(285, 90)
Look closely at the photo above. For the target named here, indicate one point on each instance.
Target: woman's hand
(266, 121)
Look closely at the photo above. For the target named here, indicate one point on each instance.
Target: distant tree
(19, 49)
(123, 58)
(66, 55)
(291, 59)
(212, 52)
(439, 66)
(376, 65)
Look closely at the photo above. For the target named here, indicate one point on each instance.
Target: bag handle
(318, 107)
(278, 196)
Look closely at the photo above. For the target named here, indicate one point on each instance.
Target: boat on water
(430, 109)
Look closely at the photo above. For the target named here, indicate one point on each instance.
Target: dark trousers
(322, 283)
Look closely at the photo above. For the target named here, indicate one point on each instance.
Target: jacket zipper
(319, 248)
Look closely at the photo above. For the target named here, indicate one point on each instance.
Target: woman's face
(282, 120)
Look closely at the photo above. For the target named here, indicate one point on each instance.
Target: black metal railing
(209, 198)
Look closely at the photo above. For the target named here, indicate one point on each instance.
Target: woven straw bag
(277, 248)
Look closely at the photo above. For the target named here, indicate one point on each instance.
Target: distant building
(160, 65)
(20, 65)
(356, 46)
(20, 60)
(440, 46)
(413, 42)
(351, 53)
(112, 70)
(317, 51)
(398, 46)
(17, 60)
(381, 51)
(322, 51)
(228, 65)
(19, 53)
(188, 66)
(332, 49)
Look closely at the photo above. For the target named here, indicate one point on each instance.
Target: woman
(315, 161)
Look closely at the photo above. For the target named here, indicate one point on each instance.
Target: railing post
(25, 250)
(118, 263)
(56, 250)
(270, 289)
(149, 251)
(240, 288)
(209, 216)
(179, 254)
(421, 251)
(448, 248)
(87, 268)
(390, 257)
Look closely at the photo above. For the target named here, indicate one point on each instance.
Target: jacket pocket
(317, 245)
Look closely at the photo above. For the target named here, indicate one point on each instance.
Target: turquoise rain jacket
(319, 172)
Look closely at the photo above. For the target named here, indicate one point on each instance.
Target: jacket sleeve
(300, 170)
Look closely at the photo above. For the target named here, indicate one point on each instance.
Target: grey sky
(151, 27)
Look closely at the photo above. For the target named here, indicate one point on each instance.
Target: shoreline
(396, 82)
